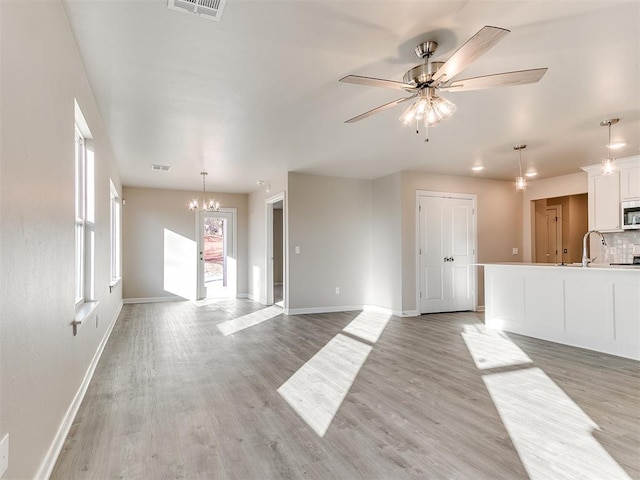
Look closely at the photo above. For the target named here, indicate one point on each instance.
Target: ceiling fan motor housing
(421, 75)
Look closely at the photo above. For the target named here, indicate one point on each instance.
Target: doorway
(549, 246)
(217, 265)
(446, 252)
(558, 225)
(276, 274)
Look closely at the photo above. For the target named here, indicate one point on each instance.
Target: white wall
(386, 231)
(42, 365)
(146, 215)
(330, 220)
(572, 184)
(499, 220)
(257, 271)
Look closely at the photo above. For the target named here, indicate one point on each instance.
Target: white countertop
(593, 266)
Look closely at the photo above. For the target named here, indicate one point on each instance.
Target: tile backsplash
(619, 247)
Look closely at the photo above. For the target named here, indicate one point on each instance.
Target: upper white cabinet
(607, 191)
(630, 183)
(604, 202)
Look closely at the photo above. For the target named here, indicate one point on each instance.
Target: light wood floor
(172, 397)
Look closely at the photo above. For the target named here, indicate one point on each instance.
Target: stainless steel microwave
(630, 214)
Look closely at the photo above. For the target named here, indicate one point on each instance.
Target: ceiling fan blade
(379, 109)
(506, 79)
(376, 82)
(473, 49)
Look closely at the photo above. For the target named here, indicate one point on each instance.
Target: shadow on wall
(180, 265)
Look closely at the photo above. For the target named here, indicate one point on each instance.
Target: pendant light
(521, 180)
(607, 163)
(210, 206)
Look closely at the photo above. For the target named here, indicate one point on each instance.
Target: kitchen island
(595, 307)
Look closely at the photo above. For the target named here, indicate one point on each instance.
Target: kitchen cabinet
(604, 202)
(630, 183)
(594, 307)
(607, 191)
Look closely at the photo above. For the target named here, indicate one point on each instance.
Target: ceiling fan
(424, 80)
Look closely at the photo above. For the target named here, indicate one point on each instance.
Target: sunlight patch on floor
(232, 326)
(492, 348)
(368, 325)
(551, 434)
(318, 388)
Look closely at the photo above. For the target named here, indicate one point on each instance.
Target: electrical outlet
(297, 250)
(515, 250)
(337, 290)
(4, 454)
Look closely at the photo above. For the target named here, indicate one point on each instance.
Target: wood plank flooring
(172, 397)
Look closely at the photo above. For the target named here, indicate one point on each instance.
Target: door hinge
(420, 251)
(473, 211)
(419, 208)
(420, 294)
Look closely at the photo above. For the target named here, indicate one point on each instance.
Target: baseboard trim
(480, 308)
(128, 301)
(61, 435)
(244, 295)
(389, 311)
(305, 311)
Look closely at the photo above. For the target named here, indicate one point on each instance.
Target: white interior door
(446, 254)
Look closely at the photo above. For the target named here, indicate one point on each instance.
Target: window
(80, 215)
(115, 235)
(85, 214)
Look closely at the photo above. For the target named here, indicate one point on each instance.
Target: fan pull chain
(426, 139)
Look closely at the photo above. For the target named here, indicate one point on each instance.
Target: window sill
(114, 283)
(83, 312)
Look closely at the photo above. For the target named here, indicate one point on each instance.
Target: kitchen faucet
(585, 258)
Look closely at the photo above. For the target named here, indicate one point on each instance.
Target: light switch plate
(297, 249)
(515, 250)
(4, 454)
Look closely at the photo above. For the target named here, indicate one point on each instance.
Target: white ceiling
(257, 93)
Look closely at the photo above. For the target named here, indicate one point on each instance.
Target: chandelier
(210, 206)
(429, 108)
(607, 163)
(521, 181)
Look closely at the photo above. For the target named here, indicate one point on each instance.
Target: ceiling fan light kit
(424, 80)
(429, 109)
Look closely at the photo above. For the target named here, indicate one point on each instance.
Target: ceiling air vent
(211, 9)
(160, 168)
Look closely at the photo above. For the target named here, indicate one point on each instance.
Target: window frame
(115, 235)
(80, 213)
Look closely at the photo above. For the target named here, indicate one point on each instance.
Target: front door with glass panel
(217, 269)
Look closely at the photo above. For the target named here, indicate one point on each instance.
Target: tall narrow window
(115, 235)
(84, 212)
(80, 214)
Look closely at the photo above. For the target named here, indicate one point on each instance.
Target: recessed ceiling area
(257, 93)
